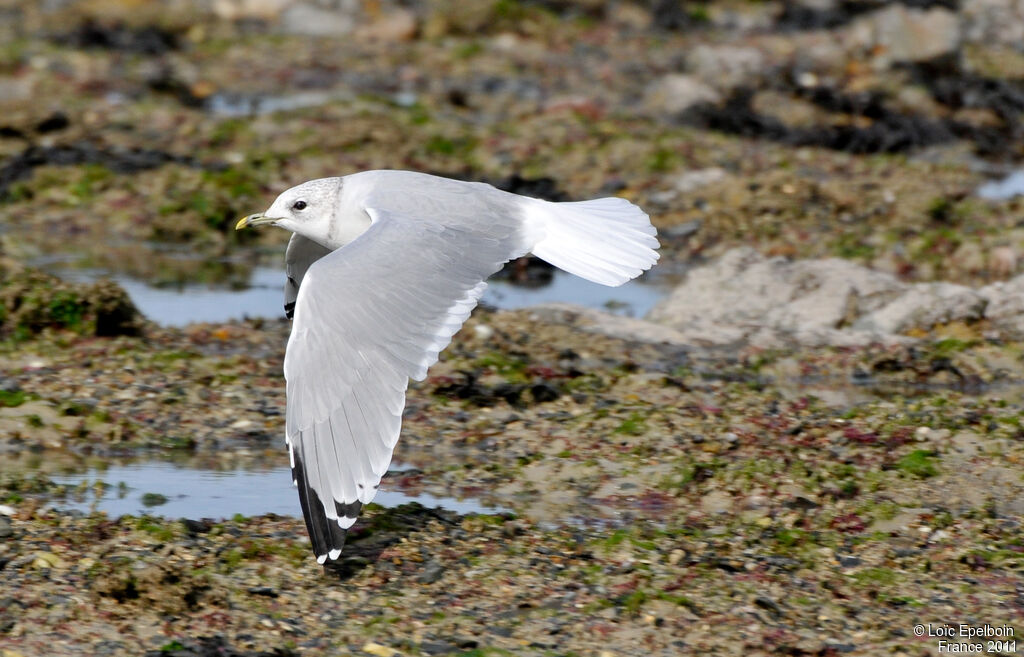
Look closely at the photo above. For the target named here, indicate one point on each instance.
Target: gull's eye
(299, 205)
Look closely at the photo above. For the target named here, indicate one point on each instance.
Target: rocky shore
(811, 445)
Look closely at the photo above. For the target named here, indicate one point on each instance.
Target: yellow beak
(254, 220)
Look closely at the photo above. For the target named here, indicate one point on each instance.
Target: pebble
(432, 572)
(437, 647)
(380, 650)
(311, 20)
(676, 92)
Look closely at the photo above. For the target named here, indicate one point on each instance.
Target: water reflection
(175, 290)
(179, 490)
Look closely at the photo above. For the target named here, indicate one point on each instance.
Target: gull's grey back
(442, 200)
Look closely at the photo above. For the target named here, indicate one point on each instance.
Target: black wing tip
(325, 534)
(289, 309)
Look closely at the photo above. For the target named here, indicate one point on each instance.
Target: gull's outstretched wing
(301, 253)
(369, 317)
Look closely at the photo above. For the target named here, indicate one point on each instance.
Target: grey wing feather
(301, 253)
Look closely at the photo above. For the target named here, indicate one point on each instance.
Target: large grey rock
(746, 297)
(899, 34)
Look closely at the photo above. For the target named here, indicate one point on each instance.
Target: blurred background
(133, 134)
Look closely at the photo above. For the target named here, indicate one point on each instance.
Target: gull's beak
(254, 220)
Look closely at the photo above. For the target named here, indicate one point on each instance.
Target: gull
(383, 268)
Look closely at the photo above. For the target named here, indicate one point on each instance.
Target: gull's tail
(607, 240)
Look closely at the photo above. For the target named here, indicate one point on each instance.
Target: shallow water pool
(1003, 189)
(190, 492)
(264, 296)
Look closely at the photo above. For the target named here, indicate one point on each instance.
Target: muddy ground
(661, 500)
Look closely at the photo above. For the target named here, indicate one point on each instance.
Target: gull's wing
(301, 253)
(369, 317)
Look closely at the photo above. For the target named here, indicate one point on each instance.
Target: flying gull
(383, 268)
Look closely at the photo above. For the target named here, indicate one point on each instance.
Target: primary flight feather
(383, 268)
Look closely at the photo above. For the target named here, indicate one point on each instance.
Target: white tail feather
(607, 240)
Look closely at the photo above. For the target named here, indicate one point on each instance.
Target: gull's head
(306, 209)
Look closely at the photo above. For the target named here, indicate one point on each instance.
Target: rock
(923, 306)
(837, 647)
(5, 528)
(817, 51)
(398, 25)
(848, 561)
(631, 16)
(993, 21)
(14, 88)
(196, 527)
(455, 17)
(717, 501)
(725, 67)
(544, 392)
(1002, 261)
(46, 560)
(1005, 306)
(774, 301)
(311, 20)
(743, 292)
(265, 591)
(818, 5)
(380, 650)
(690, 181)
(431, 573)
(438, 647)
(252, 9)
(900, 34)
(769, 605)
(681, 231)
(31, 300)
(675, 93)
(115, 312)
